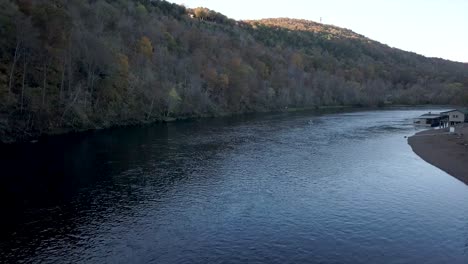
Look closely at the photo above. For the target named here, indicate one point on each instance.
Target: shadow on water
(49, 172)
(47, 187)
(224, 183)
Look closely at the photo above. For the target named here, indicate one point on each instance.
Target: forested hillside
(83, 64)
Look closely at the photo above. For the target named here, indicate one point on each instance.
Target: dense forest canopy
(73, 64)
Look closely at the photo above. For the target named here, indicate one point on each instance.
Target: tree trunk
(71, 104)
(24, 82)
(70, 77)
(62, 82)
(44, 84)
(90, 84)
(91, 91)
(150, 112)
(15, 59)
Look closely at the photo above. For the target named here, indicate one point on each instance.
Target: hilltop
(323, 30)
(77, 65)
(354, 51)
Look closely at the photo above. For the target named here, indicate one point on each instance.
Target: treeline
(74, 64)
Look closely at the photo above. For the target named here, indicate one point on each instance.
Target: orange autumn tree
(145, 47)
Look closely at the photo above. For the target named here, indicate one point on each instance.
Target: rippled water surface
(279, 188)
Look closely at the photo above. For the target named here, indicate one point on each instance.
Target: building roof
(462, 110)
(430, 115)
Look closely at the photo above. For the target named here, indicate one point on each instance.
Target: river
(276, 188)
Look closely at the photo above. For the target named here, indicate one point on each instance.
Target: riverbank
(448, 152)
(12, 131)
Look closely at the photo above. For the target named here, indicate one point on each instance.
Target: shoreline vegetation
(59, 132)
(4, 139)
(81, 65)
(444, 150)
(25, 138)
(315, 110)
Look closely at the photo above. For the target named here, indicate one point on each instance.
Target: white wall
(456, 116)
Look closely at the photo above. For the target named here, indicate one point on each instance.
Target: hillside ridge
(77, 65)
(295, 24)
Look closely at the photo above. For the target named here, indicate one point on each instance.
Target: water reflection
(282, 188)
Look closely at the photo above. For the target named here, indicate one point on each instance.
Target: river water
(277, 188)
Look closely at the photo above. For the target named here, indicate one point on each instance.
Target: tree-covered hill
(350, 51)
(321, 30)
(73, 64)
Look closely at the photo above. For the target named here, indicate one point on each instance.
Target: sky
(434, 28)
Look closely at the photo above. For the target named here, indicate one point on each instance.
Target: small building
(457, 116)
(431, 119)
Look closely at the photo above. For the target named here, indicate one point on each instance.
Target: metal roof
(431, 115)
(464, 111)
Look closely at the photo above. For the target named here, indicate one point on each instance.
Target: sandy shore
(449, 152)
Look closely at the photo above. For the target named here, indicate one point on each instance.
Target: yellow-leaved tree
(174, 100)
(145, 47)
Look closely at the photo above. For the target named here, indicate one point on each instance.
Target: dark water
(284, 188)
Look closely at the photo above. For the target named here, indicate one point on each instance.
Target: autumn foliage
(73, 65)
